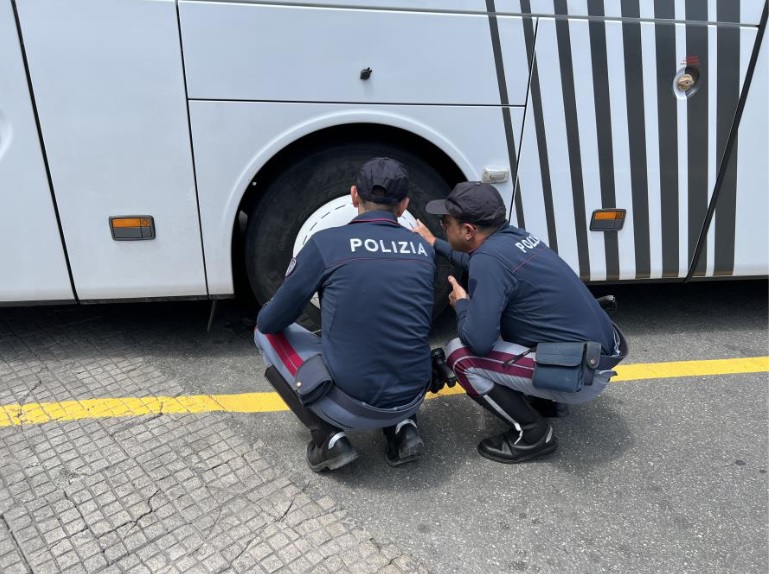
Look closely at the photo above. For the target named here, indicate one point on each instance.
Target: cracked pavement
(159, 493)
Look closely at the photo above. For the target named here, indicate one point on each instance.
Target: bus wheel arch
(316, 170)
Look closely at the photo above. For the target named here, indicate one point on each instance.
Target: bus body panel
(410, 5)
(233, 140)
(749, 11)
(746, 12)
(32, 261)
(751, 244)
(575, 99)
(252, 52)
(607, 129)
(109, 87)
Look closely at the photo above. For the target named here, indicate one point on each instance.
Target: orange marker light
(129, 222)
(609, 215)
(607, 219)
(132, 227)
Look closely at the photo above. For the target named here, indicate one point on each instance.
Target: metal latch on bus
(494, 175)
(686, 82)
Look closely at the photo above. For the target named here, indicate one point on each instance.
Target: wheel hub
(335, 213)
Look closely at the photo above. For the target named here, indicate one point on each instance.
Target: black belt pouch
(312, 381)
(565, 367)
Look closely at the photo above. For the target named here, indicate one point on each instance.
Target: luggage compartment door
(109, 88)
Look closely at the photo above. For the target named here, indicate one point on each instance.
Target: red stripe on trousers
(286, 352)
(523, 368)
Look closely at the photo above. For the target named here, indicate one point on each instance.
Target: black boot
(547, 408)
(531, 435)
(510, 447)
(319, 429)
(335, 452)
(405, 445)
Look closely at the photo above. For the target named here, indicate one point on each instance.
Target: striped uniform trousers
(478, 375)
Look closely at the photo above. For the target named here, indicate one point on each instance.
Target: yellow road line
(691, 369)
(37, 413)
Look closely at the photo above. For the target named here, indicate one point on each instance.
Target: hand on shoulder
(424, 232)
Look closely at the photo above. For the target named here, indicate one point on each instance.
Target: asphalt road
(657, 475)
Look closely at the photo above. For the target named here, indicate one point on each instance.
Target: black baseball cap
(472, 202)
(383, 180)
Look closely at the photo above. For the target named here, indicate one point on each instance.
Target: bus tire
(303, 187)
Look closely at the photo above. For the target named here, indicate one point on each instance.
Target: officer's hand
(426, 234)
(458, 291)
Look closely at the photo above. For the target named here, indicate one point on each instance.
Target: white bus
(137, 136)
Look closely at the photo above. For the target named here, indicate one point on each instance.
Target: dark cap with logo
(383, 180)
(472, 202)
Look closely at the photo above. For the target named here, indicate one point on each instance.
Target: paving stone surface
(157, 493)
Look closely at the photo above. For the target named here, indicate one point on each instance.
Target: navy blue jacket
(376, 281)
(521, 290)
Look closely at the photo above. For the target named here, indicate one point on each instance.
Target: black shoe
(547, 408)
(324, 457)
(404, 446)
(508, 449)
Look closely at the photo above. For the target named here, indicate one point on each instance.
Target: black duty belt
(361, 409)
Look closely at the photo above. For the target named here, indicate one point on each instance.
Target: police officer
(371, 366)
(520, 293)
